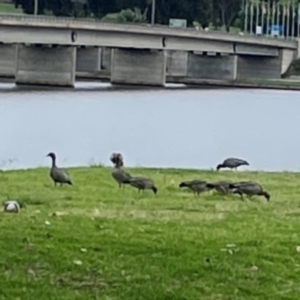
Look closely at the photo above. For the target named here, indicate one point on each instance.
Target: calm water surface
(174, 127)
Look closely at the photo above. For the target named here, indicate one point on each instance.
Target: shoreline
(290, 84)
(155, 169)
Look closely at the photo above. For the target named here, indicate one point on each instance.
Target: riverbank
(94, 240)
(291, 84)
(276, 84)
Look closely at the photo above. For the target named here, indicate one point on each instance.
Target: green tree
(203, 12)
(28, 6)
(60, 8)
(226, 12)
(128, 15)
(102, 7)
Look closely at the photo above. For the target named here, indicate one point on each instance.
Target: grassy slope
(9, 8)
(169, 246)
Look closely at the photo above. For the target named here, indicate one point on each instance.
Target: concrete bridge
(48, 50)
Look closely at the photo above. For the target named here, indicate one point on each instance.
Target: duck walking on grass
(58, 175)
(250, 189)
(197, 186)
(232, 163)
(142, 183)
(118, 174)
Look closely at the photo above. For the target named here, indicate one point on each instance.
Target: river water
(172, 127)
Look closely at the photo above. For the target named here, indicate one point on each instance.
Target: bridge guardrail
(70, 20)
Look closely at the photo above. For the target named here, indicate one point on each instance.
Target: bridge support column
(106, 59)
(140, 67)
(217, 67)
(7, 60)
(46, 66)
(258, 67)
(287, 58)
(88, 59)
(177, 63)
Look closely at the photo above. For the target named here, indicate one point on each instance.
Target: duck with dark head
(58, 175)
(197, 186)
(249, 188)
(232, 163)
(118, 173)
(142, 183)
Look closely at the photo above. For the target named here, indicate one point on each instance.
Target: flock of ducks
(249, 188)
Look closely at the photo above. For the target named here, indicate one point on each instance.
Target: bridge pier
(88, 59)
(177, 63)
(140, 67)
(235, 66)
(258, 67)
(106, 59)
(54, 66)
(287, 58)
(218, 67)
(7, 60)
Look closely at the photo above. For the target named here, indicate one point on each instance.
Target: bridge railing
(78, 21)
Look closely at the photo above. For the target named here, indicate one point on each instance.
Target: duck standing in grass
(221, 186)
(249, 188)
(118, 173)
(142, 183)
(197, 186)
(58, 175)
(232, 163)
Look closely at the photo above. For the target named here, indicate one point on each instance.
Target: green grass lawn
(9, 9)
(111, 243)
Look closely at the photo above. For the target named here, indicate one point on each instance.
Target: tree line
(215, 13)
(205, 12)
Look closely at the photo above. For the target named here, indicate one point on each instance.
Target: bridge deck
(44, 22)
